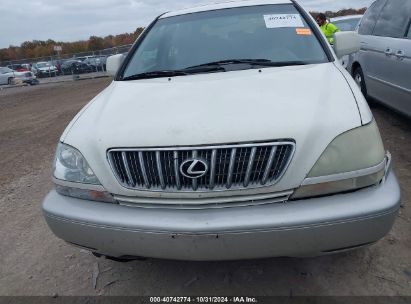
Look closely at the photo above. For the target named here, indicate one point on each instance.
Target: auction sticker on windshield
(303, 31)
(283, 20)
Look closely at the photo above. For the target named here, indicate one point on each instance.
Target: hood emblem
(194, 168)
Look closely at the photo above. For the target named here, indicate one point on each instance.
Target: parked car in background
(382, 68)
(345, 24)
(18, 67)
(75, 67)
(218, 140)
(98, 63)
(44, 69)
(9, 76)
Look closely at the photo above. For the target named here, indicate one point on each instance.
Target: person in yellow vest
(327, 28)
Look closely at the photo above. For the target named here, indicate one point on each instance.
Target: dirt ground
(34, 262)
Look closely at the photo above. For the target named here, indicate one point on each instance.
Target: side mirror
(113, 63)
(346, 43)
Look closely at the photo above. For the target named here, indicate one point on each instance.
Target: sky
(71, 20)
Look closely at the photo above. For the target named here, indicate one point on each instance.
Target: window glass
(409, 32)
(184, 41)
(347, 24)
(370, 18)
(394, 19)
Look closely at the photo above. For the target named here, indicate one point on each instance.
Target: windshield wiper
(253, 62)
(155, 74)
(172, 73)
(216, 66)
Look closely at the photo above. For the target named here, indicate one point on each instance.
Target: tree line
(38, 48)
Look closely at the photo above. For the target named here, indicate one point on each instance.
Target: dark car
(76, 67)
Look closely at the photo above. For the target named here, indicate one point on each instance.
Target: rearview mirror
(346, 43)
(113, 63)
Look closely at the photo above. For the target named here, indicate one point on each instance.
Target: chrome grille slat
(128, 172)
(176, 170)
(160, 170)
(143, 170)
(212, 168)
(195, 181)
(249, 167)
(269, 165)
(230, 167)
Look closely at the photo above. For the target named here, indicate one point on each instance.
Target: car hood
(310, 105)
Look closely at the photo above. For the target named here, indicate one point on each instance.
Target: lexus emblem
(193, 168)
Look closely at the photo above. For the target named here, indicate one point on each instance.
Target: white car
(9, 76)
(44, 69)
(230, 131)
(346, 23)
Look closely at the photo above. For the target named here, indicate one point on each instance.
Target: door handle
(388, 52)
(400, 54)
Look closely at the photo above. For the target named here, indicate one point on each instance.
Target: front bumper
(29, 80)
(47, 73)
(300, 228)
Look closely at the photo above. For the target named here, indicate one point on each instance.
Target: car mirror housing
(114, 63)
(346, 43)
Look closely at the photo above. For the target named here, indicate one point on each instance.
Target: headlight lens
(70, 165)
(357, 149)
(84, 194)
(354, 160)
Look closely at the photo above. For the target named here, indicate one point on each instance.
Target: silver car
(382, 68)
(9, 76)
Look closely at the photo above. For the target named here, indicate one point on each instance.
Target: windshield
(274, 33)
(347, 24)
(43, 64)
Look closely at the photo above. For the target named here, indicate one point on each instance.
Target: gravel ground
(34, 262)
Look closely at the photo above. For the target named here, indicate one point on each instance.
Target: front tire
(10, 81)
(359, 79)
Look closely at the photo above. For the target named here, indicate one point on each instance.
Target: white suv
(230, 131)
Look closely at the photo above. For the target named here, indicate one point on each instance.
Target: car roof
(346, 17)
(223, 5)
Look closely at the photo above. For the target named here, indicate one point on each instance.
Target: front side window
(409, 32)
(370, 18)
(394, 19)
(270, 33)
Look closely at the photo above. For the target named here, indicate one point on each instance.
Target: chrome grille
(229, 167)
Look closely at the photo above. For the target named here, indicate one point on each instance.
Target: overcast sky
(70, 20)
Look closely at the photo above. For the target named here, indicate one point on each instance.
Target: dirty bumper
(301, 228)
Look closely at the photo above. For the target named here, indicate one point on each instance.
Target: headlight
(354, 160)
(70, 165)
(70, 170)
(85, 194)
